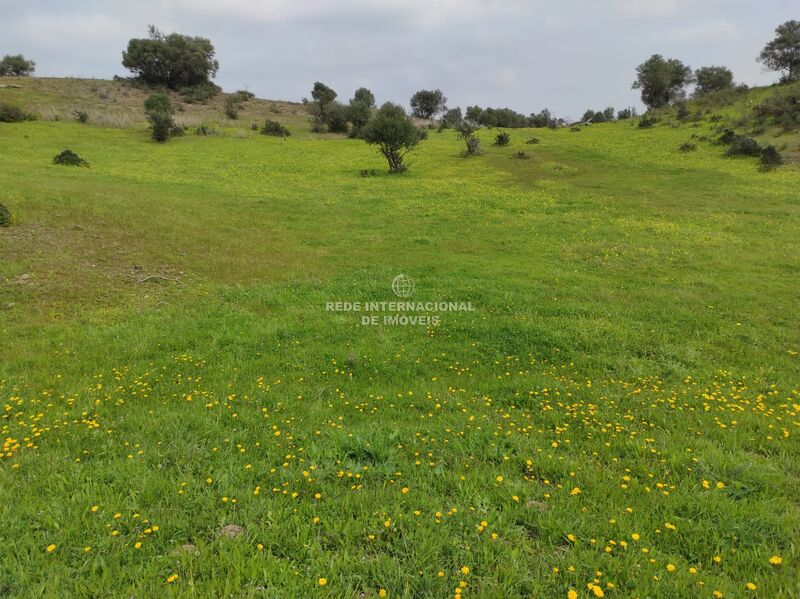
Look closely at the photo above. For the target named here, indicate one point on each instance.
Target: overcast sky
(567, 55)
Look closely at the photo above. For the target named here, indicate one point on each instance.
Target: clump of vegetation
(598, 116)
(81, 116)
(466, 131)
(451, 119)
(783, 52)
(627, 113)
(69, 158)
(712, 79)
(781, 109)
(426, 103)
(770, 157)
(160, 113)
(682, 111)
(275, 129)
(687, 147)
(254, 126)
(662, 81)
(337, 118)
(394, 134)
(16, 66)
(231, 107)
(369, 172)
(179, 62)
(727, 137)
(741, 145)
(575, 129)
(360, 110)
(502, 139)
(521, 155)
(243, 95)
(647, 121)
(5, 216)
(14, 114)
(205, 130)
(533, 141)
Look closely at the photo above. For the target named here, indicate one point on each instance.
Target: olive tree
(783, 53)
(662, 80)
(710, 79)
(426, 104)
(175, 61)
(16, 66)
(394, 134)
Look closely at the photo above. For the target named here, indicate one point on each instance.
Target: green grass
(634, 337)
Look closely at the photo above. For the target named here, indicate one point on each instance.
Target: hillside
(184, 411)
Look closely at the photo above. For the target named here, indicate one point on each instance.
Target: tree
(16, 66)
(360, 110)
(158, 108)
(473, 113)
(323, 97)
(466, 131)
(710, 79)
(365, 96)
(426, 104)
(175, 61)
(394, 134)
(627, 113)
(783, 53)
(661, 80)
(544, 119)
(452, 119)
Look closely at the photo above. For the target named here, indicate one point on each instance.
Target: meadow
(181, 416)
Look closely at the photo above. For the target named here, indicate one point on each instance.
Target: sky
(566, 55)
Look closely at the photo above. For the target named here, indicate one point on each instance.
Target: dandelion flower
(776, 560)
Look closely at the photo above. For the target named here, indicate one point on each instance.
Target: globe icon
(403, 286)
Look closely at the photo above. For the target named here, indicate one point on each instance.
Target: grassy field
(182, 416)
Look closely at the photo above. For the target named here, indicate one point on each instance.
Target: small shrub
(687, 147)
(466, 131)
(502, 139)
(727, 137)
(275, 129)
(243, 95)
(205, 130)
(254, 126)
(231, 108)
(5, 216)
(742, 145)
(533, 140)
(521, 155)
(158, 108)
(69, 158)
(715, 118)
(200, 93)
(682, 111)
(81, 116)
(647, 121)
(13, 114)
(770, 157)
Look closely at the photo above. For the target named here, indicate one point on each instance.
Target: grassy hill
(183, 414)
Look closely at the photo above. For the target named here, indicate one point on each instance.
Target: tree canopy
(710, 79)
(783, 53)
(426, 103)
(662, 81)
(175, 61)
(394, 134)
(16, 66)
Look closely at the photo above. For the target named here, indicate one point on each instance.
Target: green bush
(687, 147)
(199, 93)
(466, 131)
(770, 157)
(13, 114)
(81, 116)
(521, 155)
(533, 141)
(742, 145)
(502, 139)
(231, 108)
(16, 66)
(275, 129)
(647, 121)
(158, 108)
(5, 216)
(205, 130)
(337, 118)
(394, 134)
(69, 158)
(781, 109)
